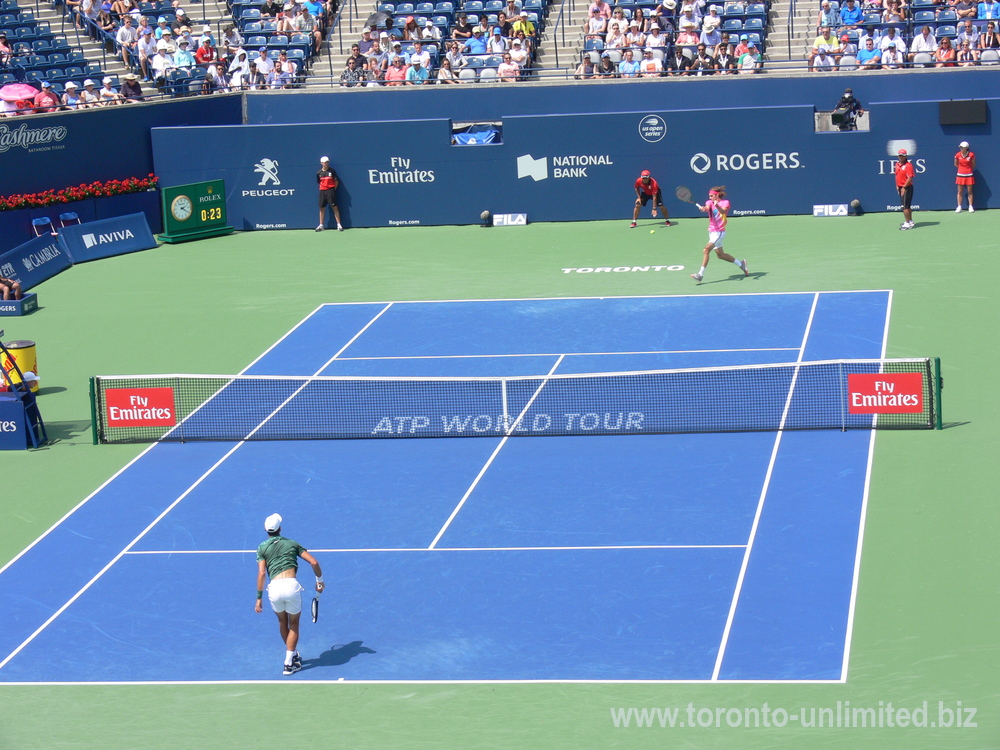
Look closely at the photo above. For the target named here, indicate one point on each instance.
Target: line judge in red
(965, 163)
(645, 188)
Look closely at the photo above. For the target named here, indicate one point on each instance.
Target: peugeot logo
(700, 163)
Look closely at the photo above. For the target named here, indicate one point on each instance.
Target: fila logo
(510, 220)
(830, 209)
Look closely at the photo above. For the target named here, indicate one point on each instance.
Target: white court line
(445, 549)
(489, 461)
(864, 515)
(114, 476)
(342, 681)
(760, 502)
(172, 505)
(570, 354)
(612, 296)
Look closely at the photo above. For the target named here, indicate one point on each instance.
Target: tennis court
(696, 557)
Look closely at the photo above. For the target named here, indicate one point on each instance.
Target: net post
(93, 410)
(938, 385)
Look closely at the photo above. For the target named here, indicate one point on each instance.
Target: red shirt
(904, 173)
(965, 164)
(203, 55)
(649, 189)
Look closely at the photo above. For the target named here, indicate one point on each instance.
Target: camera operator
(851, 109)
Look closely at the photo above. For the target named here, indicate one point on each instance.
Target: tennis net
(837, 394)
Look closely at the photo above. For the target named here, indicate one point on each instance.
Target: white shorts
(285, 595)
(716, 238)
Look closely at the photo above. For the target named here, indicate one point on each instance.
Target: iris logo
(652, 128)
(536, 169)
(268, 169)
(700, 163)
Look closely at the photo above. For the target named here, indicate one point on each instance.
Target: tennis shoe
(746, 270)
(291, 668)
(319, 228)
(340, 228)
(697, 276)
(971, 210)
(958, 210)
(667, 223)
(633, 225)
(297, 660)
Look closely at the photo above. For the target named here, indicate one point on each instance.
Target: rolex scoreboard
(195, 211)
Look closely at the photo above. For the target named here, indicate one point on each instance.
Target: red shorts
(965, 180)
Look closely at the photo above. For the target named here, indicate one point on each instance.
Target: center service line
(503, 441)
(760, 502)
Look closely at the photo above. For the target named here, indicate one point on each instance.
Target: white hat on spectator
(669, 4)
(88, 82)
(106, 80)
(634, 24)
(71, 85)
(428, 22)
(206, 29)
(162, 45)
(180, 11)
(524, 14)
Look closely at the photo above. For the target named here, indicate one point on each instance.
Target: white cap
(89, 82)
(28, 376)
(324, 158)
(106, 80)
(963, 144)
(272, 522)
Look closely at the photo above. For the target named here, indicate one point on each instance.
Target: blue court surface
(699, 557)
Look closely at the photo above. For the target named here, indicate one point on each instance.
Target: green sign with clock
(195, 211)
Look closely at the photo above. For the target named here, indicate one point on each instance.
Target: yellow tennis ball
(652, 231)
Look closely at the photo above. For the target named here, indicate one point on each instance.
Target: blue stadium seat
(25, 33)
(72, 71)
(75, 57)
(733, 10)
(472, 18)
(57, 59)
(473, 6)
(60, 44)
(26, 16)
(757, 9)
(947, 15)
(923, 16)
(387, 7)
(268, 27)
(37, 62)
(255, 42)
(8, 6)
(753, 24)
(404, 8)
(252, 27)
(922, 4)
(872, 19)
(424, 8)
(732, 24)
(533, 5)
(946, 31)
(6, 78)
(492, 19)
(41, 46)
(476, 61)
(594, 44)
(301, 41)
(278, 41)
(446, 7)
(755, 38)
(8, 21)
(442, 22)
(298, 56)
(42, 225)
(250, 14)
(93, 70)
(493, 61)
(493, 6)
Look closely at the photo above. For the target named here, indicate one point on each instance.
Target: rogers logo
(701, 163)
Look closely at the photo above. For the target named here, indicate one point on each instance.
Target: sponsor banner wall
(35, 261)
(467, 103)
(103, 239)
(13, 435)
(69, 148)
(573, 167)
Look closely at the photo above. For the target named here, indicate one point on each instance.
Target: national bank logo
(268, 169)
(652, 128)
(536, 169)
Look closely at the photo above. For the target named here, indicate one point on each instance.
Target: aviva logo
(536, 169)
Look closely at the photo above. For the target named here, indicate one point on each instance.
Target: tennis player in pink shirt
(717, 208)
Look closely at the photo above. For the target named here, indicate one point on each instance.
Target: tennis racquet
(315, 608)
(683, 194)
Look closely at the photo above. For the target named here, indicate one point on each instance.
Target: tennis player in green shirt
(278, 558)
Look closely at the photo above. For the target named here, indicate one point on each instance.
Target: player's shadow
(736, 277)
(337, 655)
(919, 224)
